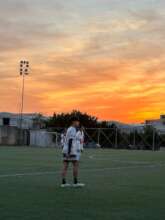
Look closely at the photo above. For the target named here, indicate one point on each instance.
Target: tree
(63, 120)
(148, 137)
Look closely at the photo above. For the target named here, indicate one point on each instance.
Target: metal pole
(24, 67)
(98, 138)
(116, 138)
(134, 138)
(56, 139)
(153, 143)
(22, 100)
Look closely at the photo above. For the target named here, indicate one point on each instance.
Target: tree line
(147, 139)
(63, 120)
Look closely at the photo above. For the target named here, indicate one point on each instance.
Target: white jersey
(70, 134)
(80, 140)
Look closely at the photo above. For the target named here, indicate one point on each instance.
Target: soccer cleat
(65, 185)
(78, 185)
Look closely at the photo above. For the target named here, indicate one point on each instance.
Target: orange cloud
(107, 64)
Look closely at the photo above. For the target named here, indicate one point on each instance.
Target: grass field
(120, 185)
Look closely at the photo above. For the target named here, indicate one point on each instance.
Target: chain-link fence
(144, 139)
(148, 139)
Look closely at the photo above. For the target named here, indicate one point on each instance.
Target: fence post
(153, 139)
(134, 138)
(98, 137)
(57, 140)
(116, 138)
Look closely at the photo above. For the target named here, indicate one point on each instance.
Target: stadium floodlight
(24, 67)
(24, 71)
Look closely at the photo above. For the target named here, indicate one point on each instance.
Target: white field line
(83, 170)
(29, 174)
(121, 161)
(132, 162)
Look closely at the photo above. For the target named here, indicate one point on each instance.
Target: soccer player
(70, 154)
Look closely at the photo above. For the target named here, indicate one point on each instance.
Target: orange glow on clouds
(108, 63)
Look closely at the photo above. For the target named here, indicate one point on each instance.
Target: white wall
(42, 138)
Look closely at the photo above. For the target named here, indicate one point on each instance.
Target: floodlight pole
(24, 67)
(22, 100)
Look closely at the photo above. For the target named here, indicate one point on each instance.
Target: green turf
(120, 185)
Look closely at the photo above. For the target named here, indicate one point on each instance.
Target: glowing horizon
(103, 57)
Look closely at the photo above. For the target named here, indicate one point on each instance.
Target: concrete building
(11, 136)
(127, 128)
(158, 124)
(29, 121)
(11, 133)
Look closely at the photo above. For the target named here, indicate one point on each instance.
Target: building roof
(16, 115)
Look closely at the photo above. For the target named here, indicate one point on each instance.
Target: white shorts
(78, 156)
(75, 157)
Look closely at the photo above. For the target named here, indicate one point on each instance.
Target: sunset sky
(104, 57)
